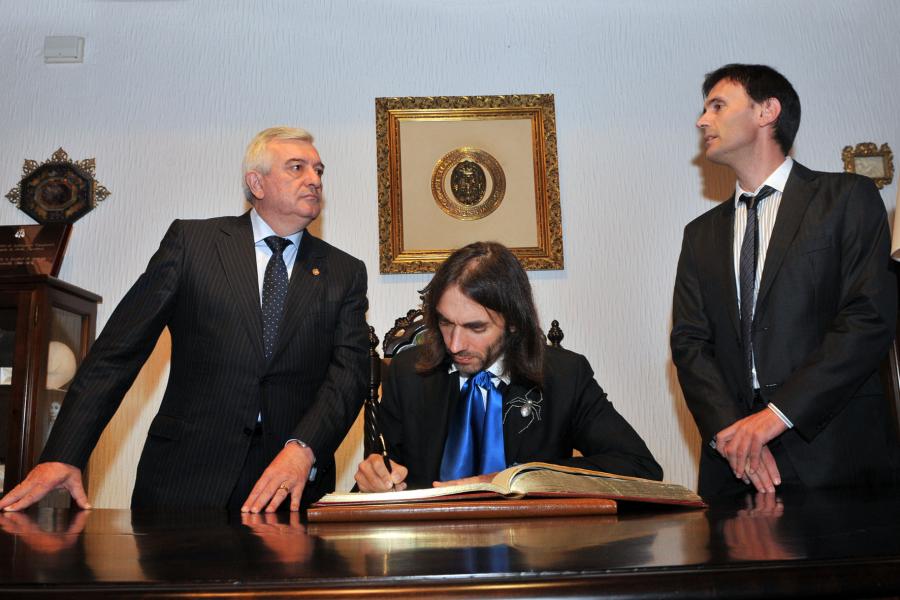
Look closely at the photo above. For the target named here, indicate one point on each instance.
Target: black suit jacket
(202, 285)
(574, 414)
(825, 316)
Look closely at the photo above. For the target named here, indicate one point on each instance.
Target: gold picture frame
(457, 169)
(870, 160)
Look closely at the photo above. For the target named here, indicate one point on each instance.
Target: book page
(538, 478)
(409, 495)
(506, 478)
(557, 482)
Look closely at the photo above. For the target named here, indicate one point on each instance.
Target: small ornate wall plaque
(870, 160)
(58, 190)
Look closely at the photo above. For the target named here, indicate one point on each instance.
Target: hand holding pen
(387, 461)
(378, 473)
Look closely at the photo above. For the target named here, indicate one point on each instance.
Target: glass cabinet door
(8, 316)
(63, 359)
(46, 327)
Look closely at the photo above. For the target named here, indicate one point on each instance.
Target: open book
(524, 483)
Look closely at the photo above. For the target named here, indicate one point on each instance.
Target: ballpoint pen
(387, 460)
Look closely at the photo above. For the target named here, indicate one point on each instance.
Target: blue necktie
(274, 291)
(474, 443)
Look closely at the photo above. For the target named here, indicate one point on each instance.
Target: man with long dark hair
(484, 391)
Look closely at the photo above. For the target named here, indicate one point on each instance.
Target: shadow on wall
(686, 425)
(718, 180)
(717, 186)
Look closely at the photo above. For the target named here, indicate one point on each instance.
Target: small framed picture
(869, 160)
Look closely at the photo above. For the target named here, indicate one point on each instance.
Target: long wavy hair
(489, 274)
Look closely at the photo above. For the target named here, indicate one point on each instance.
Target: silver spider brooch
(529, 408)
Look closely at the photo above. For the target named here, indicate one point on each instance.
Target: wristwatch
(314, 470)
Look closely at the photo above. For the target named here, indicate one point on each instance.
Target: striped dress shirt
(767, 212)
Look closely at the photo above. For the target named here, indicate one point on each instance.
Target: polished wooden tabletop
(813, 544)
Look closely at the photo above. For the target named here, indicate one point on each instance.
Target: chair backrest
(555, 335)
(406, 333)
(370, 417)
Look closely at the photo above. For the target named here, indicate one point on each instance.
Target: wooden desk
(814, 545)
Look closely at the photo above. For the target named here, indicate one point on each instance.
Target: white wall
(170, 92)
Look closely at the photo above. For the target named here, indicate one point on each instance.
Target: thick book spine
(457, 510)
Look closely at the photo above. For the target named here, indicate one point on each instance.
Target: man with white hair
(269, 348)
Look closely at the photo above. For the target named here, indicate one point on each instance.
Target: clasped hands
(372, 476)
(744, 445)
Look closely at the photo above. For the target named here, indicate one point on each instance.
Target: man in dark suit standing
(484, 392)
(784, 305)
(269, 350)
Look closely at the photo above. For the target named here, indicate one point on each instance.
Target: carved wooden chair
(406, 333)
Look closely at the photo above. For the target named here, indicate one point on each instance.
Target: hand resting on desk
(43, 478)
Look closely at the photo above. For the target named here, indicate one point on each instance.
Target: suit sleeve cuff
(781, 416)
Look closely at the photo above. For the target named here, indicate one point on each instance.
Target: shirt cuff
(781, 416)
(313, 471)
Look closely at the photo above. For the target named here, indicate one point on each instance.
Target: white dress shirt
(767, 213)
(495, 368)
(261, 231)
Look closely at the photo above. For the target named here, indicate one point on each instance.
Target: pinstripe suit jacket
(202, 285)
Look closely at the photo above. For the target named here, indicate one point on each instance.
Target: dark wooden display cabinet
(46, 328)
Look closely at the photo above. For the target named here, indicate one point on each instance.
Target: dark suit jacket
(825, 316)
(574, 414)
(202, 285)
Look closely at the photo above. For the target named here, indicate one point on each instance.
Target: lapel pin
(316, 271)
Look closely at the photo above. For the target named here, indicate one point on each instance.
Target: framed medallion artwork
(458, 169)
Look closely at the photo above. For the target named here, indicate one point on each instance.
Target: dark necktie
(274, 291)
(747, 273)
(474, 443)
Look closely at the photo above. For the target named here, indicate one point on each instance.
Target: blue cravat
(474, 443)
